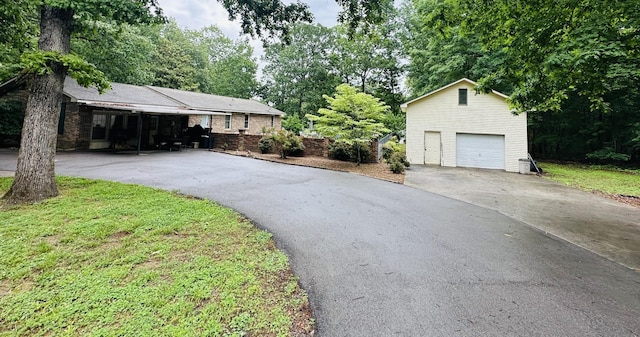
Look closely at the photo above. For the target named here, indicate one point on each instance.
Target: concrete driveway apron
(382, 259)
(603, 226)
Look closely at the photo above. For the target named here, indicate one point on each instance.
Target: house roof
(404, 106)
(162, 100)
(119, 93)
(209, 102)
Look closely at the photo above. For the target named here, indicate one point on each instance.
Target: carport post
(139, 132)
(210, 134)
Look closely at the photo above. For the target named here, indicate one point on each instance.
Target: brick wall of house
(256, 123)
(195, 119)
(73, 128)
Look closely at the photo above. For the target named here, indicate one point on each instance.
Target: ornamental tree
(352, 117)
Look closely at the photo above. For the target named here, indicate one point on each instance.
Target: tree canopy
(318, 58)
(352, 117)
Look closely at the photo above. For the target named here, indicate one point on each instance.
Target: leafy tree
(225, 67)
(123, 52)
(297, 74)
(35, 176)
(174, 64)
(293, 123)
(353, 117)
(166, 55)
(444, 54)
(19, 22)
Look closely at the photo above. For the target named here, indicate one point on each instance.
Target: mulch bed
(625, 199)
(374, 170)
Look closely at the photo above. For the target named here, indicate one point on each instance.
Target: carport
(140, 111)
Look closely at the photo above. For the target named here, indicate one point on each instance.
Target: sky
(196, 14)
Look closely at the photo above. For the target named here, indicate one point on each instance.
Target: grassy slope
(595, 178)
(107, 259)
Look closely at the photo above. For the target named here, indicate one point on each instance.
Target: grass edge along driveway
(604, 179)
(111, 259)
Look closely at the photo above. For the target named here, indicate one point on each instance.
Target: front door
(432, 147)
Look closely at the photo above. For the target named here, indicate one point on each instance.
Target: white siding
(483, 114)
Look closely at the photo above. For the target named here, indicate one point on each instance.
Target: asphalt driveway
(382, 259)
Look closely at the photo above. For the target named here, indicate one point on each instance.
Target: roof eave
(405, 105)
(150, 108)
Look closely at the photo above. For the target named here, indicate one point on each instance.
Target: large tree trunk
(35, 174)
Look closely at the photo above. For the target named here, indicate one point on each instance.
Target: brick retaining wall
(316, 147)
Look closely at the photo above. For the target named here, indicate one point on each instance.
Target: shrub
(340, 151)
(265, 144)
(365, 153)
(395, 155)
(607, 155)
(286, 142)
(387, 151)
(396, 167)
(346, 152)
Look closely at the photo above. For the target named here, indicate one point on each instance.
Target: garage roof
(405, 105)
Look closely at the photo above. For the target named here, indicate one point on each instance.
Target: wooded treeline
(572, 65)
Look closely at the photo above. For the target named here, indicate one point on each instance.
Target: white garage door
(482, 151)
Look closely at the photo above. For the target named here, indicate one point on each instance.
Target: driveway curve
(382, 259)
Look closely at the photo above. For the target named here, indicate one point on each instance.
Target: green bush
(265, 144)
(365, 152)
(346, 152)
(395, 155)
(607, 155)
(387, 151)
(340, 151)
(396, 167)
(287, 143)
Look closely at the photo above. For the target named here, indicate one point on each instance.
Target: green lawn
(595, 178)
(108, 259)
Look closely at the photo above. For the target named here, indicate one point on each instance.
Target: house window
(273, 118)
(462, 96)
(246, 121)
(99, 126)
(227, 121)
(204, 121)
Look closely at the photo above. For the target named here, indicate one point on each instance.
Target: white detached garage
(453, 126)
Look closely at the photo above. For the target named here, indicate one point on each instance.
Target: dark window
(246, 121)
(462, 96)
